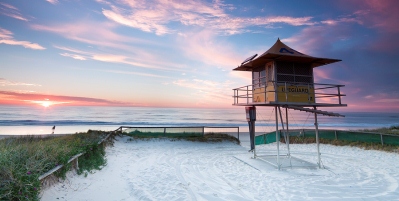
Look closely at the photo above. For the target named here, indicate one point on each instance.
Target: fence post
(238, 133)
(203, 131)
(335, 132)
(77, 163)
(164, 131)
(382, 141)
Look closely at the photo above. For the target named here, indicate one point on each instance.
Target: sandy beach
(161, 169)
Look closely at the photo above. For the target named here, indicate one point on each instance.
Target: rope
(292, 117)
(261, 119)
(306, 121)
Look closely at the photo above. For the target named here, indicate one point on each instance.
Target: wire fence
(179, 131)
(352, 136)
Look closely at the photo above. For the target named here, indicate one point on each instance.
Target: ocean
(22, 120)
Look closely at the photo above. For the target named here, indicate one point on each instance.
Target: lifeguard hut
(283, 77)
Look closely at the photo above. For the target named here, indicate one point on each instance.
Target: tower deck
(289, 94)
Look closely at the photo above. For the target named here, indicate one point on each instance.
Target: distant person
(53, 130)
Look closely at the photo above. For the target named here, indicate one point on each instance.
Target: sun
(46, 103)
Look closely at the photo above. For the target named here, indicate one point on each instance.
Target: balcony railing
(289, 93)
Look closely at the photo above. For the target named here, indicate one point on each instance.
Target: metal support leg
(277, 139)
(285, 135)
(285, 131)
(317, 139)
(253, 137)
(288, 135)
(286, 120)
(251, 125)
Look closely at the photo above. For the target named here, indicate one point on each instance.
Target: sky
(180, 53)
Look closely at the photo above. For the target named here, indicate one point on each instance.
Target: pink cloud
(111, 58)
(102, 35)
(7, 38)
(126, 60)
(284, 19)
(203, 46)
(134, 73)
(321, 74)
(146, 61)
(326, 75)
(4, 82)
(207, 92)
(388, 100)
(91, 33)
(25, 44)
(244, 75)
(11, 11)
(5, 34)
(53, 1)
(315, 39)
(135, 22)
(379, 16)
(382, 15)
(349, 19)
(34, 98)
(74, 56)
(155, 16)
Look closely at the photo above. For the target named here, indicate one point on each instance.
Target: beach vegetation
(141, 134)
(393, 130)
(363, 145)
(194, 137)
(24, 159)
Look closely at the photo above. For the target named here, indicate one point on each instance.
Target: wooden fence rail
(76, 157)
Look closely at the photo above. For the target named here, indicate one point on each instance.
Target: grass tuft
(24, 159)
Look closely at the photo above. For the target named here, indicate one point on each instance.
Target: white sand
(182, 170)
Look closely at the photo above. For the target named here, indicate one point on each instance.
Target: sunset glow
(47, 103)
(181, 53)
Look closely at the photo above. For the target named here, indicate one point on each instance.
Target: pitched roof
(281, 52)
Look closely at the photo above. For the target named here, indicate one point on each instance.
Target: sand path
(182, 170)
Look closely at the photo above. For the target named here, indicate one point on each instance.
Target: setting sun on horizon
(44, 103)
(181, 53)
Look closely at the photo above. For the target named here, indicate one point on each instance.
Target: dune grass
(363, 145)
(393, 130)
(194, 137)
(141, 134)
(24, 159)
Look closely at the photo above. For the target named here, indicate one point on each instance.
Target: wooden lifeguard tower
(283, 77)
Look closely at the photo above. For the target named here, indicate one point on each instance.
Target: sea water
(22, 120)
